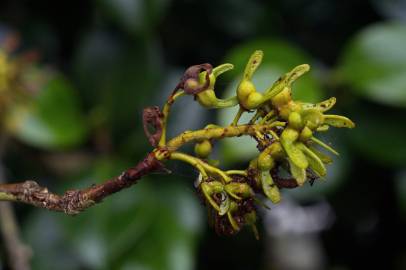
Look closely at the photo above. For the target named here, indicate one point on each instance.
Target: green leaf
(52, 120)
(374, 63)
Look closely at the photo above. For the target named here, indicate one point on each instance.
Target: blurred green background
(94, 65)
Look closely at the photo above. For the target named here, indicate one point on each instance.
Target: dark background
(108, 59)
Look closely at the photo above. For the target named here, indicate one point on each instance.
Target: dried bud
(152, 119)
(190, 79)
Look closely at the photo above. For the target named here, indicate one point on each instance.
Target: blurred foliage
(148, 228)
(102, 61)
(374, 63)
(52, 119)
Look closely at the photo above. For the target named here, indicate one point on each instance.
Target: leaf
(52, 120)
(374, 63)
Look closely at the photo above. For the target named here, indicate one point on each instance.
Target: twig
(73, 202)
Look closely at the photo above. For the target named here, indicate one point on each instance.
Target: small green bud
(203, 149)
(313, 118)
(247, 95)
(282, 98)
(239, 190)
(306, 134)
(245, 88)
(265, 162)
(254, 100)
(290, 135)
(295, 120)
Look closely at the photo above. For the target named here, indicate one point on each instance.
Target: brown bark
(73, 202)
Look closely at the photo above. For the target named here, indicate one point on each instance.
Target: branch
(73, 202)
(220, 133)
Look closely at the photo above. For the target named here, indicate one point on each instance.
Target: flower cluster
(283, 128)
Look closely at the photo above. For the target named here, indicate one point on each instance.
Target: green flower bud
(247, 95)
(312, 118)
(203, 149)
(245, 88)
(254, 100)
(265, 162)
(282, 98)
(306, 134)
(295, 120)
(208, 98)
(239, 190)
(290, 135)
